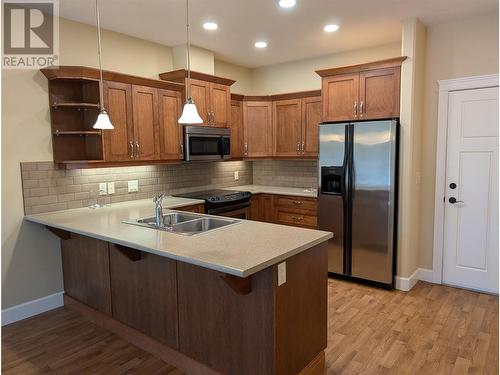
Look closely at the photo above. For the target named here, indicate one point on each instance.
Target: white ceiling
(291, 34)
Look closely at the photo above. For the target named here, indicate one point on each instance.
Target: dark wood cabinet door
(85, 263)
(255, 207)
(379, 93)
(146, 129)
(236, 126)
(220, 105)
(171, 132)
(266, 209)
(118, 143)
(258, 129)
(287, 124)
(311, 118)
(200, 92)
(340, 97)
(144, 293)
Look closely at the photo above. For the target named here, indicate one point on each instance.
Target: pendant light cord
(101, 89)
(188, 37)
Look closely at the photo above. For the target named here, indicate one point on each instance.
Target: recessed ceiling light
(261, 44)
(331, 28)
(287, 3)
(210, 26)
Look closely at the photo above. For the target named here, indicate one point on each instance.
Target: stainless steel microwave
(207, 143)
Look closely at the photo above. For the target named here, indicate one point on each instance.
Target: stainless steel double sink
(187, 224)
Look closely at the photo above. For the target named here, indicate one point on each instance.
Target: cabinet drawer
(286, 217)
(296, 203)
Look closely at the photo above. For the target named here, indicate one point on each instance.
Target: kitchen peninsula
(249, 298)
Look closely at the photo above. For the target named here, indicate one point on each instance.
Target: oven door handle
(228, 208)
(221, 147)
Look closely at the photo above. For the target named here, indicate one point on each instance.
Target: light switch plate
(103, 188)
(111, 187)
(236, 175)
(281, 273)
(133, 186)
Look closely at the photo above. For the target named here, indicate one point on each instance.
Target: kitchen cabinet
(284, 209)
(211, 95)
(261, 208)
(146, 127)
(133, 111)
(119, 143)
(287, 124)
(362, 92)
(143, 111)
(144, 292)
(171, 132)
(257, 129)
(295, 123)
(237, 135)
(312, 117)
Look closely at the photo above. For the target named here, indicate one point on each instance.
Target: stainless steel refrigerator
(357, 198)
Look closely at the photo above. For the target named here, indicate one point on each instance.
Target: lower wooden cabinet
(144, 292)
(86, 278)
(284, 209)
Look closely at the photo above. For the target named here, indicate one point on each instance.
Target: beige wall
(201, 60)
(243, 76)
(458, 49)
(31, 265)
(300, 75)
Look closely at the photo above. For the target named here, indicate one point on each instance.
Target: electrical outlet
(281, 273)
(111, 187)
(133, 186)
(103, 188)
(236, 175)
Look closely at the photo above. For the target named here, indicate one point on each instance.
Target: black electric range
(223, 202)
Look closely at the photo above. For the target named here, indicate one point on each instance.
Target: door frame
(445, 88)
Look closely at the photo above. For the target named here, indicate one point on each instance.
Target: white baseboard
(31, 308)
(406, 283)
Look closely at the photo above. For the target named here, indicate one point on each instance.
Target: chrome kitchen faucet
(158, 199)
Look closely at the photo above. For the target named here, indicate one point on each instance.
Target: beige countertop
(280, 190)
(241, 249)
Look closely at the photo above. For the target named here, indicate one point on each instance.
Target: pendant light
(103, 122)
(189, 113)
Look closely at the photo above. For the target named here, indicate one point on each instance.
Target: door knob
(453, 185)
(453, 200)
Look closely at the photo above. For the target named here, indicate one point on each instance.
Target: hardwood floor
(432, 329)
(62, 342)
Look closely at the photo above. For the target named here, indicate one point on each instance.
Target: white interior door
(470, 257)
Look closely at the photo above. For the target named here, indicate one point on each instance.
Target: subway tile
(49, 207)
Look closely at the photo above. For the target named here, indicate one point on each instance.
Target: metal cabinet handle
(181, 147)
(302, 147)
(213, 117)
(361, 109)
(131, 149)
(355, 108)
(297, 218)
(245, 149)
(137, 149)
(297, 202)
(298, 147)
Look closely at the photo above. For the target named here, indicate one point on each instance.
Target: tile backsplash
(47, 188)
(292, 173)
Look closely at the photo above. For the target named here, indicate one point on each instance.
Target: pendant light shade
(189, 113)
(103, 122)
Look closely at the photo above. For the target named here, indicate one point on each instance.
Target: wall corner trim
(405, 284)
(31, 308)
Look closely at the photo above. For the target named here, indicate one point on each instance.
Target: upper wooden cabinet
(171, 133)
(295, 124)
(237, 138)
(362, 92)
(211, 94)
(258, 128)
(143, 111)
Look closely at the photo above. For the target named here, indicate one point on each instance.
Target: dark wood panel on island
(197, 318)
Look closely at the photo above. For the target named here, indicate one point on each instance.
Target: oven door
(237, 211)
